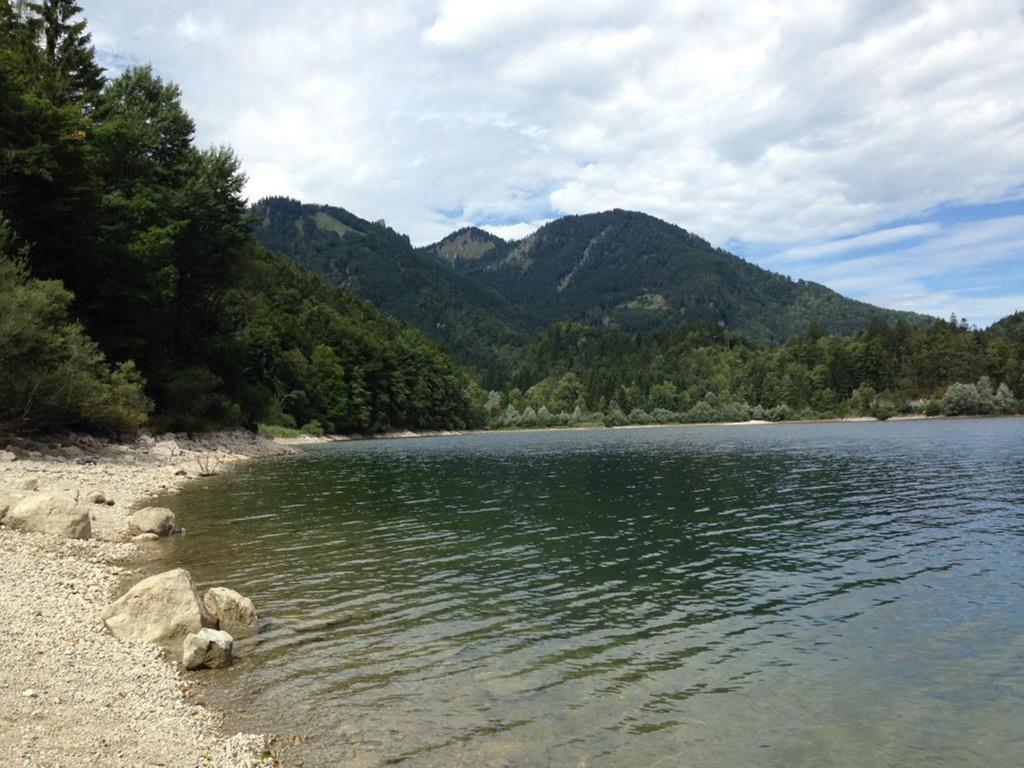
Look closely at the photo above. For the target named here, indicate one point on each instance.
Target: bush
(55, 376)
(313, 428)
(664, 416)
(960, 400)
(1004, 401)
(702, 413)
(640, 416)
(275, 430)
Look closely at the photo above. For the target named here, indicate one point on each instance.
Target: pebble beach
(71, 694)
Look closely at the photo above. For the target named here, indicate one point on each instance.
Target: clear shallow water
(800, 595)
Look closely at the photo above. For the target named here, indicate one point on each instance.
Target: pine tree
(72, 74)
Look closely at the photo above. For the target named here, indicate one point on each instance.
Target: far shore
(310, 440)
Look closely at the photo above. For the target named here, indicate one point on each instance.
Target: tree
(71, 73)
(57, 375)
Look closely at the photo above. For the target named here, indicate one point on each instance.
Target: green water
(799, 595)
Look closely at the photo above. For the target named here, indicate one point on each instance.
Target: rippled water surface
(804, 595)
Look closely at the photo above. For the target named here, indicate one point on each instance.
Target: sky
(875, 146)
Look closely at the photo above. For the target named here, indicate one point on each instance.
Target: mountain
(483, 297)
(472, 319)
(639, 273)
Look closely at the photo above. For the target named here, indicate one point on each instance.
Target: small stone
(96, 497)
(30, 693)
(181, 473)
(146, 537)
(209, 648)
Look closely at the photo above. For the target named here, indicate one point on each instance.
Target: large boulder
(158, 520)
(233, 613)
(161, 609)
(48, 513)
(207, 648)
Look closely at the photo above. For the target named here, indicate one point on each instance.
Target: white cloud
(515, 231)
(753, 121)
(846, 244)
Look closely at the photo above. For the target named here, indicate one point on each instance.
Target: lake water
(790, 595)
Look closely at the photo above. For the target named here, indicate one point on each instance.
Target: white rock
(145, 537)
(7, 456)
(8, 501)
(47, 513)
(96, 497)
(160, 609)
(208, 648)
(233, 612)
(158, 520)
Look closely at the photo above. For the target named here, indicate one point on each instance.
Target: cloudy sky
(875, 146)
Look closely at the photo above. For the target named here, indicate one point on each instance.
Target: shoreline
(311, 440)
(70, 692)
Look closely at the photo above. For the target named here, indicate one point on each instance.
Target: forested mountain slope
(639, 273)
(472, 320)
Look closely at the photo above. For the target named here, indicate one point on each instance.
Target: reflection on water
(803, 595)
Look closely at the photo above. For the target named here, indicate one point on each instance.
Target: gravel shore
(70, 693)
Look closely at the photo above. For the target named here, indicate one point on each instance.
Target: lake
(789, 595)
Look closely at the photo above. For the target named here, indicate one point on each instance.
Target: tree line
(576, 374)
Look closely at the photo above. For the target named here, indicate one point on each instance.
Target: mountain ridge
(482, 295)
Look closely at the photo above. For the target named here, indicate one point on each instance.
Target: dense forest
(574, 374)
(640, 273)
(476, 323)
(131, 289)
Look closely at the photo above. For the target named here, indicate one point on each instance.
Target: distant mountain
(472, 319)
(483, 296)
(640, 273)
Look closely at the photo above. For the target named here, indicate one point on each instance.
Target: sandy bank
(70, 693)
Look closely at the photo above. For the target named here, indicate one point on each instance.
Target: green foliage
(705, 374)
(54, 374)
(476, 322)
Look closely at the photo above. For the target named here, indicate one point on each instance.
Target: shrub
(960, 400)
(1004, 401)
(639, 416)
(54, 375)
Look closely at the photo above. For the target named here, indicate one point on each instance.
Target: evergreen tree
(71, 74)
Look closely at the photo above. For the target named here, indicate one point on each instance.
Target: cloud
(753, 122)
(843, 245)
(974, 268)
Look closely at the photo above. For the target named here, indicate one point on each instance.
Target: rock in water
(234, 613)
(145, 537)
(160, 609)
(158, 520)
(47, 513)
(207, 648)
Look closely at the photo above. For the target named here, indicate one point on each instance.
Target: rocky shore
(70, 692)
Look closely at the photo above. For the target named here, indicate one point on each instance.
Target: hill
(630, 270)
(472, 319)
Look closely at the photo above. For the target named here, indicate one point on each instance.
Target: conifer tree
(72, 74)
